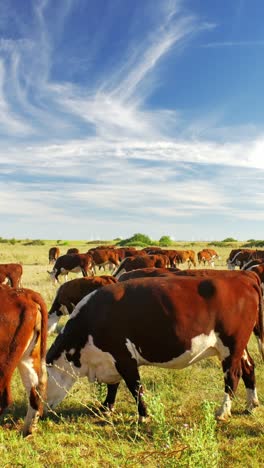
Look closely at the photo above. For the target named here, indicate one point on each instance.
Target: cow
(70, 293)
(206, 257)
(146, 272)
(12, 272)
(73, 250)
(54, 253)
(23, 335)
(71, 263)
(105, 257)
(145, 261)
(183, 256)
(238, 257)
(170, 322)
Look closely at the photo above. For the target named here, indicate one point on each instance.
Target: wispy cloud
(234, 44)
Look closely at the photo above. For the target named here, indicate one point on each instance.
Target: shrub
(136, 239)
(165, 241)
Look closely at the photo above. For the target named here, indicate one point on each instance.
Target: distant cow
(72, 263)
(145, 261)
(12, 272)
(183, 256)
(207, 256)
(73, 250)
(54, 253)
(169, 322)
(105, 257)
(23, 333)
(70, 293)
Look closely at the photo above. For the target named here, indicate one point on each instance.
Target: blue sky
(126, 116)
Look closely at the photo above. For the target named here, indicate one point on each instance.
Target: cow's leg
(232, 373)
(33, 375)
(248, 376)
(109, 402)
(130, 374)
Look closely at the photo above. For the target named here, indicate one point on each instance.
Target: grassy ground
(181, 432)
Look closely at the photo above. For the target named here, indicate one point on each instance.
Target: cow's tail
(259, 326)
(42, 384)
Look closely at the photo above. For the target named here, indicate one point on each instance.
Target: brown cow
(169, 322)
(23, 334)
(238, 257)
(146, 272)
(70, 293)
(183, 256)
(12, 272)
(73, 250)
(145, 261)
(207, 256)
(54, 253)
(105, 257)
(72, 263)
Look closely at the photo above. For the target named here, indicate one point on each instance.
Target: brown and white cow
(105, 258)
(23, 334)
(184, 256)
(12, 273)
(70, 293)
(147, 272)
(72, 263)
(145, 261)
(54, 253)
(207, 256)
(108, 335)
(238, 258)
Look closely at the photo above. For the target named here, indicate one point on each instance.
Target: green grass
(181, 431)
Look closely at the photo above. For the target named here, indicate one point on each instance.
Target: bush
(136, 239)
(165, 241)
(229, 239)
(35, 242)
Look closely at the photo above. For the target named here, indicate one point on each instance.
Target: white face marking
(202, 346)
(61, 376)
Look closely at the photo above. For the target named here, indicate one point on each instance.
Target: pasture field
(182, 431)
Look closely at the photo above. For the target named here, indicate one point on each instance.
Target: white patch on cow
(120, 273)
(80, 304)
(98, 365)
(63, 309)
(245, 357)
(202, 346)
(252, 399)
(225, 411)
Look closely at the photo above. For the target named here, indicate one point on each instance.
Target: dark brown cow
(72, 263)
(108, 335)
(12, 272)
(124, 252)
(238, 257)
(73, 250)
(105, 257)
(23, 334)
(70, 293)
(54, 253)
(145, 261)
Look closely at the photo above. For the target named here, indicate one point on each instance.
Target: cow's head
(52, 275)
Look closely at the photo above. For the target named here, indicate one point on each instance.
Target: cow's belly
(202, 346)
(98, 365)
(74, 270)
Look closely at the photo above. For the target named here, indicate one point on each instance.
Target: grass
(181, 432)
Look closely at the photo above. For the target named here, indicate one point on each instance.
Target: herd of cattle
(148, 311)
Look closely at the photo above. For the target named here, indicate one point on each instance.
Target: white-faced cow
(72, 263)
(70, 293)
(54, 253)
(108, 335)
(23, 334)
(207, 256)
(12, 273)
(238, 257)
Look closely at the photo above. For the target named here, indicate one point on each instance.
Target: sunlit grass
(181, 431)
